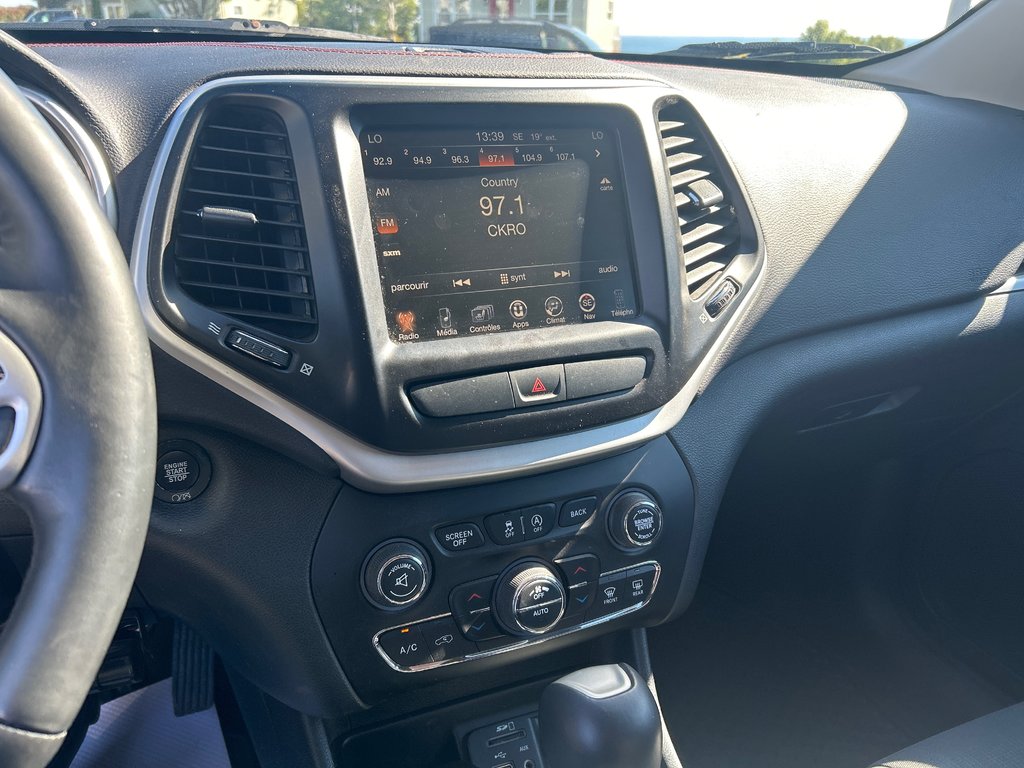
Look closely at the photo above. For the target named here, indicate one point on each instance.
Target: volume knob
(396, 574)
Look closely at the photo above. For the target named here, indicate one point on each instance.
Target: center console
(450, 582)
(488, 312)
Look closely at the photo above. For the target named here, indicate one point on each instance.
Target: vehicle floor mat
(140, 729)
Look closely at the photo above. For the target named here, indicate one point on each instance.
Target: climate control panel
(530, 601)
(479, 577)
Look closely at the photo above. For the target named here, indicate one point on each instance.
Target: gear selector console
(410, 587)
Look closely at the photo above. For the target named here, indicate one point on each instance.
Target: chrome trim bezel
(82, 147)
(366, 466)
(20, 391)
(526, 642)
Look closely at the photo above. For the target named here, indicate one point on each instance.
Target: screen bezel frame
(655, 332)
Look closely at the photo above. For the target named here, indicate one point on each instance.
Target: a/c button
(405, 646)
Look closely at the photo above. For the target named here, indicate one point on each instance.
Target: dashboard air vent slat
(709, 235)
(259, 272)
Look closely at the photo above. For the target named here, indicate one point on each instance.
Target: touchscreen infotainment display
(504, 229)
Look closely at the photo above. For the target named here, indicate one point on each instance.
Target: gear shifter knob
(600, 717)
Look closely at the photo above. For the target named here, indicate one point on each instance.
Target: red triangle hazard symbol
(538, 387)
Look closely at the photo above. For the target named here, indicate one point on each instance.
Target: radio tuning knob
(634, 520)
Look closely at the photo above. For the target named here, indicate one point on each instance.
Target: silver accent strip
(82, 147)
(1013, 285)
(20, 391)
(366, 466)
(527, 642)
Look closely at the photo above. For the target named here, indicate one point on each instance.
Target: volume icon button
(396, 574)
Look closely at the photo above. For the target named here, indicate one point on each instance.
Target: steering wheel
(77, 431)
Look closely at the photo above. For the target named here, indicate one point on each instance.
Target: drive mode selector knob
(396, 574)
(634, 520)
(529, 599)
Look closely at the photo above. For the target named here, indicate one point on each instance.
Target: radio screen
(485, 231)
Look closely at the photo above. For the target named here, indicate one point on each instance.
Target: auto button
(529, 599)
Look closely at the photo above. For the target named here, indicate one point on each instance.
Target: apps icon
(517, 309)
(482, 313)
(553, 306)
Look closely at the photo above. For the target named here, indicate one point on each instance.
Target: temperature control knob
(529, 599)
(634, 520)
(396, 574)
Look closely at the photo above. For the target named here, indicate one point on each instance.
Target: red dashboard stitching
(316, 49)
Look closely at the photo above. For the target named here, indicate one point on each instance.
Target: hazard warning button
(534, 386)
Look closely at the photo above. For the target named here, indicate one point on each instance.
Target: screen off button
(459, 537)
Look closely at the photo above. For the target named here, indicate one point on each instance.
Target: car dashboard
(455, 351)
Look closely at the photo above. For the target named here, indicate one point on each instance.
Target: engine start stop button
(177, 471)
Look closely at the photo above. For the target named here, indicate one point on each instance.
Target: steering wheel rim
(78, 379)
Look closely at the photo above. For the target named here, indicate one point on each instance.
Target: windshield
(818, 31)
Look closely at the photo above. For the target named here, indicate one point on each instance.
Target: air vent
(239, 243)
(708, 228)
